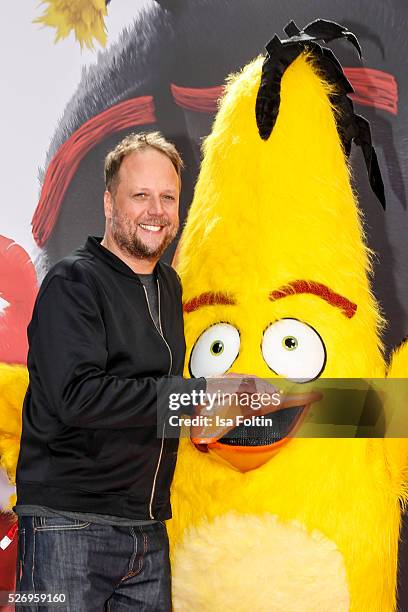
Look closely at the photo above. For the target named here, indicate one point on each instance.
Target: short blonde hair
(138, 142)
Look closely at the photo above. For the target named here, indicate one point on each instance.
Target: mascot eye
(215, 350)
(294, 350)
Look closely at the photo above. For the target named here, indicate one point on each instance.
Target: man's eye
(169, 197)
(140, 195)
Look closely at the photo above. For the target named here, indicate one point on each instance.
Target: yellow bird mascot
(275, 274)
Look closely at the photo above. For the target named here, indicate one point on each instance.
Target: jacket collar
(93, 244)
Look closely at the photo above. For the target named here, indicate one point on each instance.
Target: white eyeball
(215, 350)
(294, 350)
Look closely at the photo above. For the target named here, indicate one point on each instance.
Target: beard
(124, 232)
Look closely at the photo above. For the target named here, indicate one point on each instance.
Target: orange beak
(253, 452)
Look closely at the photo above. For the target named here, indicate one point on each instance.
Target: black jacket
(91, 438)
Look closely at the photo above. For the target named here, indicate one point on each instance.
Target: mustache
(155, 221)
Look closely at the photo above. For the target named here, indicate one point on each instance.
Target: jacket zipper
(164, 423)
(159, 330)
(160, 325)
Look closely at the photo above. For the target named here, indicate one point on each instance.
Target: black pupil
(290, 342)
(217, 347)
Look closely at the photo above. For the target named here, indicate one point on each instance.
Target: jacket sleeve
(68, 357)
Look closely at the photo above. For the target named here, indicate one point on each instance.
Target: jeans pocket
(59, 523)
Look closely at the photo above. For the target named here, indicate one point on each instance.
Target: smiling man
(142, 177)
(93, 475)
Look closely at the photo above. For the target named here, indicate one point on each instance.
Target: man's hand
(230, 396)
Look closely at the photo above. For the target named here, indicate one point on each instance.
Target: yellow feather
(84, 18)
(13, 384)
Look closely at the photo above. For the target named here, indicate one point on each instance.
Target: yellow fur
(316, 575)
(397, 449)
(266, 213)
(13, 384)
(84, 17)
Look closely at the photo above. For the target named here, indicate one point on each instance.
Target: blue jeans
(96, 567)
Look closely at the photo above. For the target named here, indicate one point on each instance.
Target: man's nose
(155, 205)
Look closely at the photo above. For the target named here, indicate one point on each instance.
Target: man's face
(143, 212)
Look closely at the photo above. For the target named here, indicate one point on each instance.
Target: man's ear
(108, 204)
